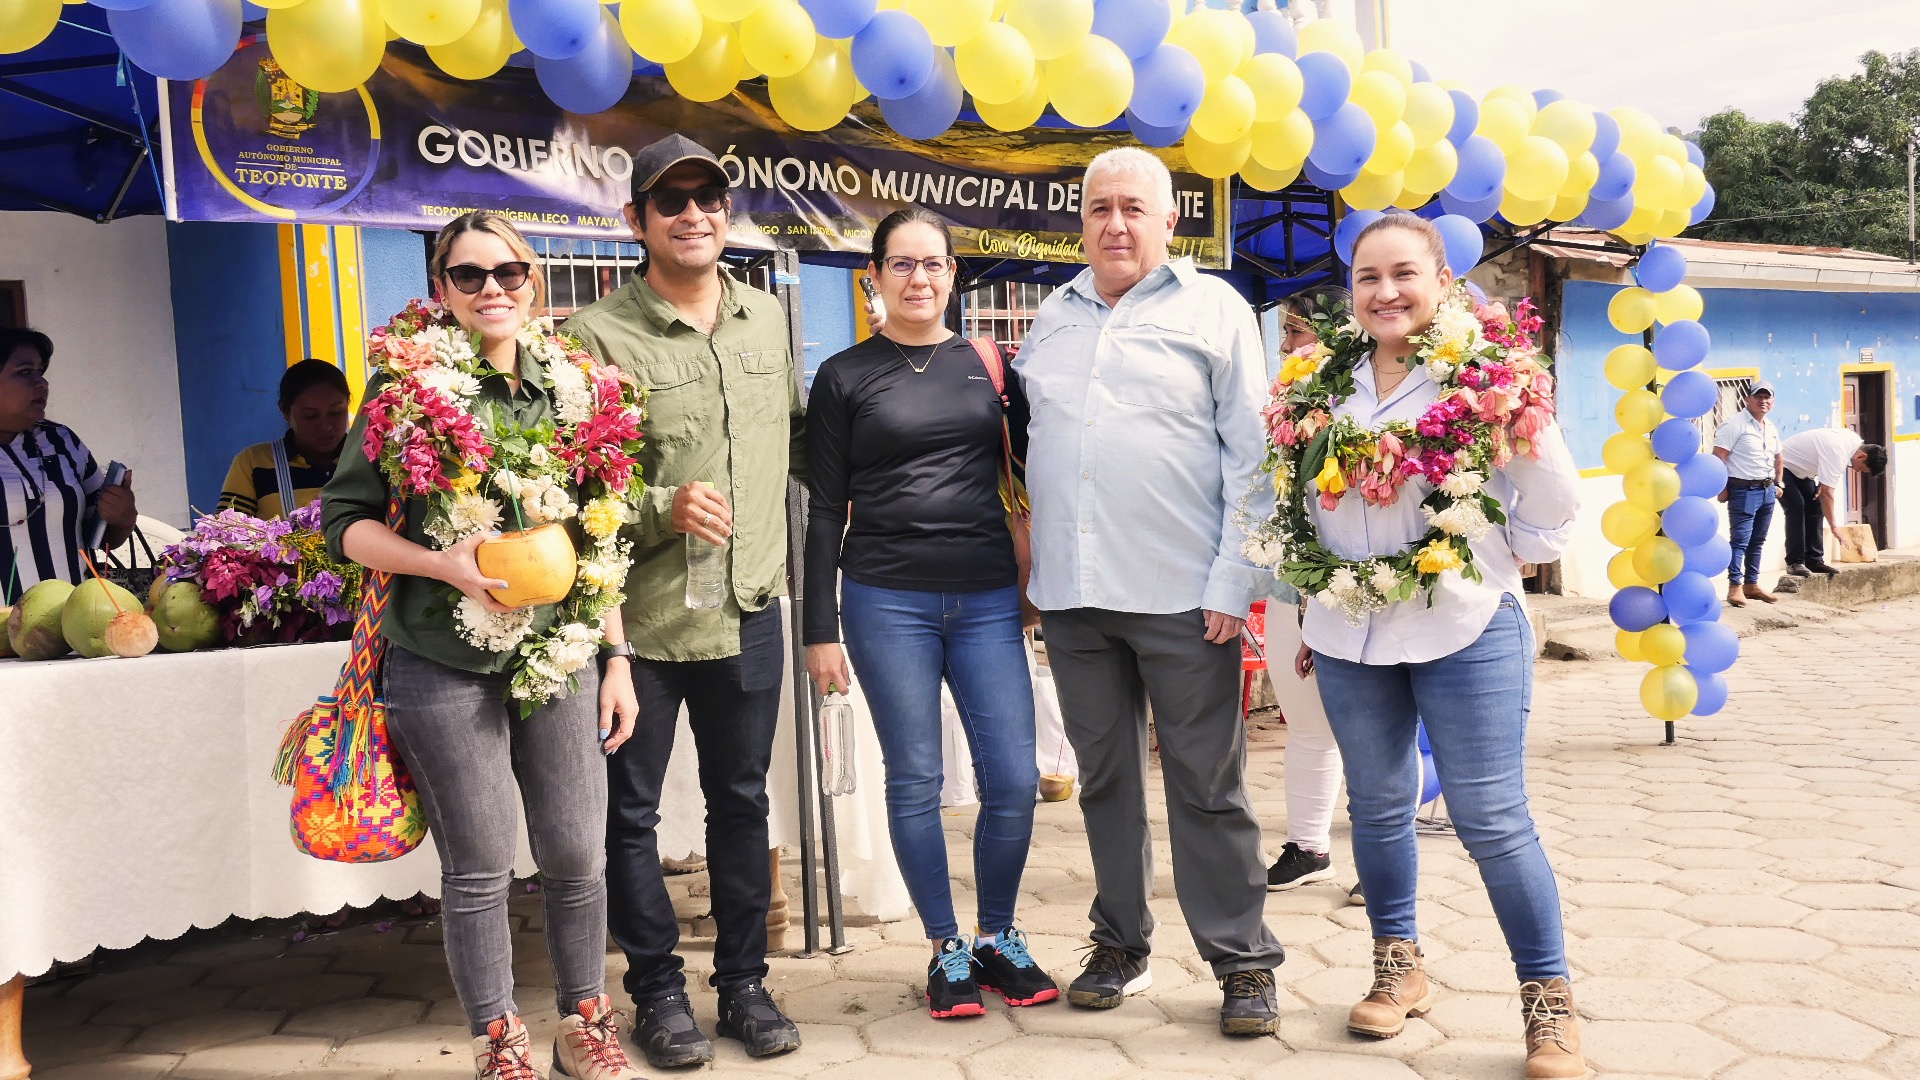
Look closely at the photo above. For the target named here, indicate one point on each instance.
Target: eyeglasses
(938, 266)
(671, 202)
(470, 279)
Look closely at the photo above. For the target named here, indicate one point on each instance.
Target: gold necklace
(920, 368)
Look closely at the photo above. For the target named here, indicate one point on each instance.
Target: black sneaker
(1007, 969)
(1799, 570)
(747, 1013)
(1355, 897)
(1111, 974)
(664, 1029)
(1297, 866)
(951, 988)
(1248, 1006)
(1822, 568)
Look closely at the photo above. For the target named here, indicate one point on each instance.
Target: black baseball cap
(654, 159)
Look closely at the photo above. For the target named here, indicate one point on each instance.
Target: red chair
(1253, 653)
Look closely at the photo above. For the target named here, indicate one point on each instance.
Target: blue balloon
(1711, 647)
(1704, 475)
(1327, 83)
(1466, 117)
(1138, 26)
(179, 39)
(555, 29)
(1690, 597)
(1465, 244)
(1343, 142)
(1168, 84)
(251, 12)
(1348, 231)
(130, 5)
(1713, 691)
(1429, 779)
(1676, 440)
(1680, 345)
(1327, 181)
(1662, 267)
(1695, 154)
(1272, 33)
(1473, 211)
(1420, 72)
(593, 81)
(644, 68)
(840, 18)
(1544, 98)
(1636, 607)
(1710, 558)
(1690, 394)
(1606, 136)
(933, 108)
(1154, 136)
(1482, 170)
(1690, 521)
(1615, 180)
(1702, 208)
(1607, 216)
(893, 56)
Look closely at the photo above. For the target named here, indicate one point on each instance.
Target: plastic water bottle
(838, 776)
(706, 573)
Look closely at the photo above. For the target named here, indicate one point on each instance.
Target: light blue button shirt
(1144, 445)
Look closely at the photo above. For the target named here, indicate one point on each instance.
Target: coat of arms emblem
(288, 105)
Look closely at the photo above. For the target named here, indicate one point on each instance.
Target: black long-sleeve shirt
(918, 456)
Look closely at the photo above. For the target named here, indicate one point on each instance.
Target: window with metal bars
(1733, 398)
(582, 271)
(1002, 310)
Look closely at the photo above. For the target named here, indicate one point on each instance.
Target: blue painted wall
(826, 313)
(394, 268)
(1798, 340)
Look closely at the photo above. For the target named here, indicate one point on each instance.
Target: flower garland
(435, 438)
(1496, 397)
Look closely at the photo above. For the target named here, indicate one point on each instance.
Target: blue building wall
(1799, 341)
(394, 271)
(826, 313)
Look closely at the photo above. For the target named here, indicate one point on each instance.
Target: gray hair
(1135, 162)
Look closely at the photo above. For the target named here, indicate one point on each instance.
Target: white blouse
(1539, 495)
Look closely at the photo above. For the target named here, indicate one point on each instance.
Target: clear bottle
(706, 573)
(838, 775)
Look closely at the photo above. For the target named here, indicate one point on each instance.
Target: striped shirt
(253, 485)
(49, 484)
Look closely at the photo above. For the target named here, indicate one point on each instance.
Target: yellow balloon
(1213, 39)
(483, 50)
(817, 97)
(1634, 237)
(1391, 63)
(1567, 207)
(1652, 485)
(1659, 184)
(1693, 185)
(1330, 36)
(1373, 191)
(1582, 170)
(1519, 95)
(1276, 85)
(1624, 451)
(728, 11)
(1391, 152)
(1535, 170)
(1630, 367)
(1091, 85)
(1626, 525)
(1226, 114)
(1679, 303)
(1659, 560)
(1671, 147)
(1503, 122)
(26, 23)
(1052, 27)
(431, 22)
(1018, 114)
(1639, 133)
(1410, 199)
(1631, 310)
(328, 45)
(1671, 224)
(1429, 112)
(1525, 212)
(1627, 642)
(1622, 575)
(778, 39)
(997, 66)
(712, 69)
(1283, 144)
(1432, 167)
(1669, 692)
(1639, 411)
(1663, 643)
(1217, 161)
(1380, 96)
(1568, 123)
(951, 22)
(663, 31)
(1262, 178)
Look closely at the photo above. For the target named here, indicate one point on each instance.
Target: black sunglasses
(672, 201)
(470, 279)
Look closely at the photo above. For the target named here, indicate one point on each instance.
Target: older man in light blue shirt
(1145, 379)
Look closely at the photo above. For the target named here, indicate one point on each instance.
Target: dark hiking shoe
(664, 1030)
(1110, 975)
(1248, 1004)
(747, 1013)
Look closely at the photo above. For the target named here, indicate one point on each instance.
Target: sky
(1680, 60)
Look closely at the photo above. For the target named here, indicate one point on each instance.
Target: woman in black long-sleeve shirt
(906, 427)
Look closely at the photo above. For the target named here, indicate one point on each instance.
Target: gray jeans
(467, 748)
(1107, 666)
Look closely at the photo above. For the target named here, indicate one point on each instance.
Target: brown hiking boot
(1400, 989)
(587, 1046)
(1553, 1031)
(1735, 597)
(504, 1052)
(1755, 592)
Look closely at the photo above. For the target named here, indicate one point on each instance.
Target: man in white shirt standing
(1817, 463)
(1750, 445)
(1146, 379)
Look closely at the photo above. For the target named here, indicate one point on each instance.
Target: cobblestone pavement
(1743, 905)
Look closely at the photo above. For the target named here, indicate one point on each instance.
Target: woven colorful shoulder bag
(353, 800)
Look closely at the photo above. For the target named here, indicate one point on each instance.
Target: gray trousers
(467, 750)
(1108, 665)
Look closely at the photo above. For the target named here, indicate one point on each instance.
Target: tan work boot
(1553, 1031)
(504, 1052)
(1400, 989)
(587, 1046)
(1755, 592)
(1735, 597)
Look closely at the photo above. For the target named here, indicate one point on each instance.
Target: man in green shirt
(724, 423)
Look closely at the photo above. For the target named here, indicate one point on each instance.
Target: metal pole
(1912, 137)
(1646, 338)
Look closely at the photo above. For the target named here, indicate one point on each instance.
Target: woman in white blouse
(1462, 663)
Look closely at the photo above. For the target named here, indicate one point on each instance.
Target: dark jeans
(733, 706)
(1749, 513)
(1806, 522)
(904, 644)
(467, 749)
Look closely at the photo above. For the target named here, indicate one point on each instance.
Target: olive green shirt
(419, 615)
(723, 409)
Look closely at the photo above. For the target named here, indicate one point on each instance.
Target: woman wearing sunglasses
(469, 750)
(906, 433)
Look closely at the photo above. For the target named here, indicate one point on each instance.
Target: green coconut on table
(33, 628)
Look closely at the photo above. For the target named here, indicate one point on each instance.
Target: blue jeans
(1475, 704)
(903, 644)
(1749, 513)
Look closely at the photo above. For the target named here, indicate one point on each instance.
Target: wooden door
(13, 303)
(1863, 408)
